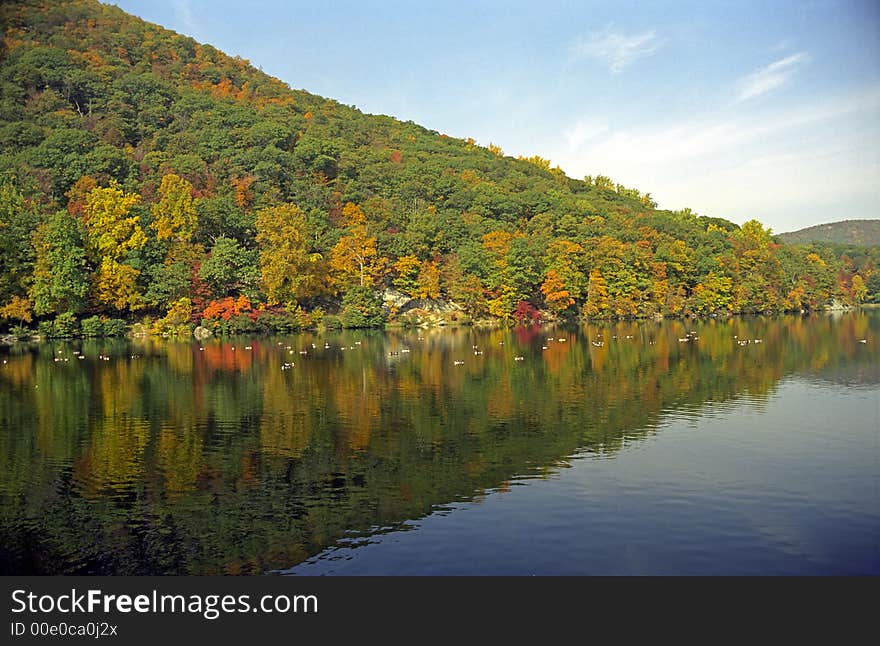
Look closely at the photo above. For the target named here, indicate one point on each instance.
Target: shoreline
(10, 340)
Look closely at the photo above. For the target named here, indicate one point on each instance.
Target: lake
(741, 446)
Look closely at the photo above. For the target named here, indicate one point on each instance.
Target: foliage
(64, 326)
(176, 321)
(60, 280)
(361, 309)
(114, 327)
(526, 313)
(18, 309)
(186, 173)
(92, 326)
(174, 215)
(864, 233)
(226, 308)
(289, 269)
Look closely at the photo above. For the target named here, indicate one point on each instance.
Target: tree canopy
(187, 173)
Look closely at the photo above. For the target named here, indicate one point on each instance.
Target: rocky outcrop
(202, 333)
(397, 303)
(422, 312)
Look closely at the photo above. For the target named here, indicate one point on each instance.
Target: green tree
(60, 271)
(231, 269)
(17, 221)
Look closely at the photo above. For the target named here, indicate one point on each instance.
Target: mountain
(144, 175)
(863, 233)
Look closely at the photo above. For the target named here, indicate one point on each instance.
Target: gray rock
(202, 333)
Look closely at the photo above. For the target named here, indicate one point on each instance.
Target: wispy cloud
(583, 131)
(776, 164)
(183, 12)
(709, 135)
(616, 49)
(771, 77)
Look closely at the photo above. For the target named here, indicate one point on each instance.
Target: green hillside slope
(147, 175)
(864, 233)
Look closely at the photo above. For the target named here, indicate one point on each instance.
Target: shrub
(176, 321)
(65, 325)
(361, 308)
(92, 326)
(20, 332)
(115, 327)
(332, 322)
(46, 329)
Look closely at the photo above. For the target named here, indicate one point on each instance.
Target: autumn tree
(428, 283)
(713, 294)
(18, 309)
(596, 304)
(759, 272)
(353, 259)
(858, 289)
(111, 229)
(556, 296)
(406, 277)
(174, 215)
(567, 262)
(289, 267)
(112, 232)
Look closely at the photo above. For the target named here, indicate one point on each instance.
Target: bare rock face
(399, 303)
(422, 312)
(394, 300)
(202, 332)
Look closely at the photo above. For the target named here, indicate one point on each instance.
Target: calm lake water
(612, 449)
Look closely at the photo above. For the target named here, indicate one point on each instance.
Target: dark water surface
(618, 449)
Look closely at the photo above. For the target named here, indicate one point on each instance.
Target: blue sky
(741, 110)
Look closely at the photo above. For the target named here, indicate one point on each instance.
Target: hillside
(863, 233)
(147, 175)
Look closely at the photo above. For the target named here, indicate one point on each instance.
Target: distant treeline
(860, 233)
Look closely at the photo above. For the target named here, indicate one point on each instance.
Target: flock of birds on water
(287, 365)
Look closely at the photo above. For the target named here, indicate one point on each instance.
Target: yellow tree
(859, 290)
(110, 234)
(597, 295)
(353, 215)
(115, 284)
(174, 215)
(17, 308)
(428, 281)
(407, 278)
(567, 259)
(288, 269)
(354, 256)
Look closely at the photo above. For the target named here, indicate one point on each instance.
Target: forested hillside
(147, 176)
(864, 233)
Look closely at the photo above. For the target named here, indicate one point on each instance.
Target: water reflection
(154, 457)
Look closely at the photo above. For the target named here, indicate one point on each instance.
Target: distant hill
(865, 233)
